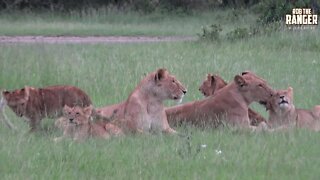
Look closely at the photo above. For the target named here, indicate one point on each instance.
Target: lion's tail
(3, 116)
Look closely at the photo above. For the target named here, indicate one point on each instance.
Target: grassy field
(109, 72)
(111, 22)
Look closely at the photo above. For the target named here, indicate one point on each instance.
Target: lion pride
(283, 114)
(144, 111)
(48, 102)
(213, 83)
(230, 104)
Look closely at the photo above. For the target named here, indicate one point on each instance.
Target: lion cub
(36, 104)
(283, 114)
(77, 124)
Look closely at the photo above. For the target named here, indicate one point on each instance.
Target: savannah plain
(108, 72)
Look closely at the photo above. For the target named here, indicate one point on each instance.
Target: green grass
(104, 22)
(109, 72)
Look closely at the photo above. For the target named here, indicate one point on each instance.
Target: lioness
(230, 103)
(38, 103)
(213, 83)
(283, 114)
(144, 110)
(79, 124)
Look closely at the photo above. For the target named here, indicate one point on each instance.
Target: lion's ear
(213, 79)
(290, 91)
(240, 81)
(88, 110)
(5, 93)
(66, 109)
(160, 74)
(26, 91)
(245, 72)
(210, 78)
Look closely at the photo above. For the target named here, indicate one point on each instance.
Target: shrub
(138, 5)
(211, 33)
(265, 29)
(238, 33)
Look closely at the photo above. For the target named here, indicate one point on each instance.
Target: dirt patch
(93, 39)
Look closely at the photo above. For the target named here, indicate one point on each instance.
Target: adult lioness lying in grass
(144, 111)
(230, 104)
(213, 83)
(283, 114)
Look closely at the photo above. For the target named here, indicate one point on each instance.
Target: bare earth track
(93, 39)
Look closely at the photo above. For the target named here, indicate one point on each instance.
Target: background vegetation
(241, 18)
(147, 6)
(109, 72)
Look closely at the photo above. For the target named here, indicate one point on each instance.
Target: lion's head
(77, 115)
(282, 101)
(253, 88)
(167, 86)
(17, 100)
(211, 84)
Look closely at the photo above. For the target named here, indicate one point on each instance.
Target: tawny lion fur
(48, 102)
(229, 104)
(80, 126)
(144, 111)
(283, 114)
(213, 83)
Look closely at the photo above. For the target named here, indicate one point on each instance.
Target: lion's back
(66, 95)
(53, 98)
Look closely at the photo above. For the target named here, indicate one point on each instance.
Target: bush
(265, 29)
(138, 5)
(238, 33)
(239, 3)
(211, 33)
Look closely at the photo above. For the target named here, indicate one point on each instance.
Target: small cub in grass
(78, 124)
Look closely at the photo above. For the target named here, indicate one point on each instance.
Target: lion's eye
(173, 81)
(260, 85)
(77, 113)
